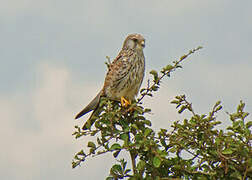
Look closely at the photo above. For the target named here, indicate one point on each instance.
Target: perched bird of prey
(124, 76)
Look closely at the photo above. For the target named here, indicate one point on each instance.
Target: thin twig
(176, 64)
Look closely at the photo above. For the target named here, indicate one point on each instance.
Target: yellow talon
(124, 102)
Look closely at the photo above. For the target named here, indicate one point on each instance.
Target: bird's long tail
(91, 106)
(92, 118)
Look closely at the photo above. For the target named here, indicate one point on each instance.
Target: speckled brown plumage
(124, 77)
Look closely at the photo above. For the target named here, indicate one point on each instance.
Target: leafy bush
(213, 153)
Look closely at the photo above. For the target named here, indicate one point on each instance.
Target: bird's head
(134, 41)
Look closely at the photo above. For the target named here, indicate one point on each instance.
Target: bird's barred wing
(118, 70)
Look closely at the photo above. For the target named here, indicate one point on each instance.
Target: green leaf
(173, 150)
(91, 144)
(115, 154)
(143, 89)
(155, 88)
(146, 147)
(115, 146)
(218, 108)
(249, 124)
(156, 161)
(227, 151)
(75, 164)
(123, 163)
(147, 122)
(127, 171)
(141, 164)
(138, 137)
(147, 110)
(217, 103)
(94, 133)
(134, 126)
(149, 94)
(92, 151)
(124, 137)
(168, 67)
(174, 102)
(236, 175)
(117, 169)
(147, 132)
(154, 73)
(182, 109)
(81, 153)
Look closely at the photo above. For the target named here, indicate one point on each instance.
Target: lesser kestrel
(124, 76)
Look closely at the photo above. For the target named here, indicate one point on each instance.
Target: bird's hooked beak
(142, 43)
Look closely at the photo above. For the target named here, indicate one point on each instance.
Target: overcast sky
(52, 64)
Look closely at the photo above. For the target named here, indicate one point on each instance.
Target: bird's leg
(124, 102)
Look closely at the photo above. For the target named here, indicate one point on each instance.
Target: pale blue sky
(52, 63)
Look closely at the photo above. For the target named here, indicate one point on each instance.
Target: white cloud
(48, 150)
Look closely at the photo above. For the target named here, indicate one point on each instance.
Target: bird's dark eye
(134, 39)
